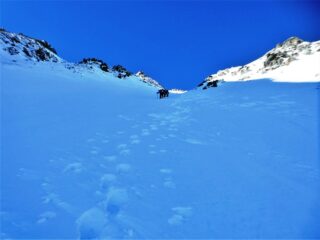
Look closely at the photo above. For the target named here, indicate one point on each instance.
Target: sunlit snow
(86, 155)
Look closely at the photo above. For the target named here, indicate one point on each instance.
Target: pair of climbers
(163, 93)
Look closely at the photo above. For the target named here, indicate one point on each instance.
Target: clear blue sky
(178, 43)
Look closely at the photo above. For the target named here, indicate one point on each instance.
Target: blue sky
(176, 42)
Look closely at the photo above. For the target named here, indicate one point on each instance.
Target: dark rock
(103, 66)
(201, 84)
(122, 71)
(275, 59)
(26, 52)
(46, 45)
(12, 50)
(213, 83)
(42, 55)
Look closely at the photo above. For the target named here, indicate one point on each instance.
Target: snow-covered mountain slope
(294, 60)
(86, 155)
(147, 79)
(20, 48)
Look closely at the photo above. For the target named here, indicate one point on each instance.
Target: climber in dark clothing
(163, 93)
(160, 92)
(166, 93)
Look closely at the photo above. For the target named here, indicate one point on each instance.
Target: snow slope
(18, 48)
(294, 60)
(86, 155)
(148, 80)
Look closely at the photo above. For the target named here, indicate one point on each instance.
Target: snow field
(105, 159)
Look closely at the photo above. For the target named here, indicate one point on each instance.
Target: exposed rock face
(121, 71)
(27, 47)
(293, 55)
(93, 61)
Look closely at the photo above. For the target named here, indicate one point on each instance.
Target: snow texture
(294, 60)
(86, 155)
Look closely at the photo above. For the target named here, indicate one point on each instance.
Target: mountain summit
(20, 46)
(294, 60)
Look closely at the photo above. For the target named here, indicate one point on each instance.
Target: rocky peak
(20, 45)
(120, 71)
(291, 59)
(93, 61)
(292, 41)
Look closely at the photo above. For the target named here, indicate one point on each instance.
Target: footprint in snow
(94, 150)
(123, 149)
(107, 180)
(125, 152)
(91, 223)
(55, 200)
(168, 183)
(46, 216)
(135, 141)
(180, 215)
(116, 199)
(145, 132)
(90, 140)
(108, 220)
(134, 136)
(125, 117)
(122, 146)
(75, 167)
(27, 174)
(163, 137)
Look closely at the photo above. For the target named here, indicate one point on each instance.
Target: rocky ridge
(19, 47)
(288, 61)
